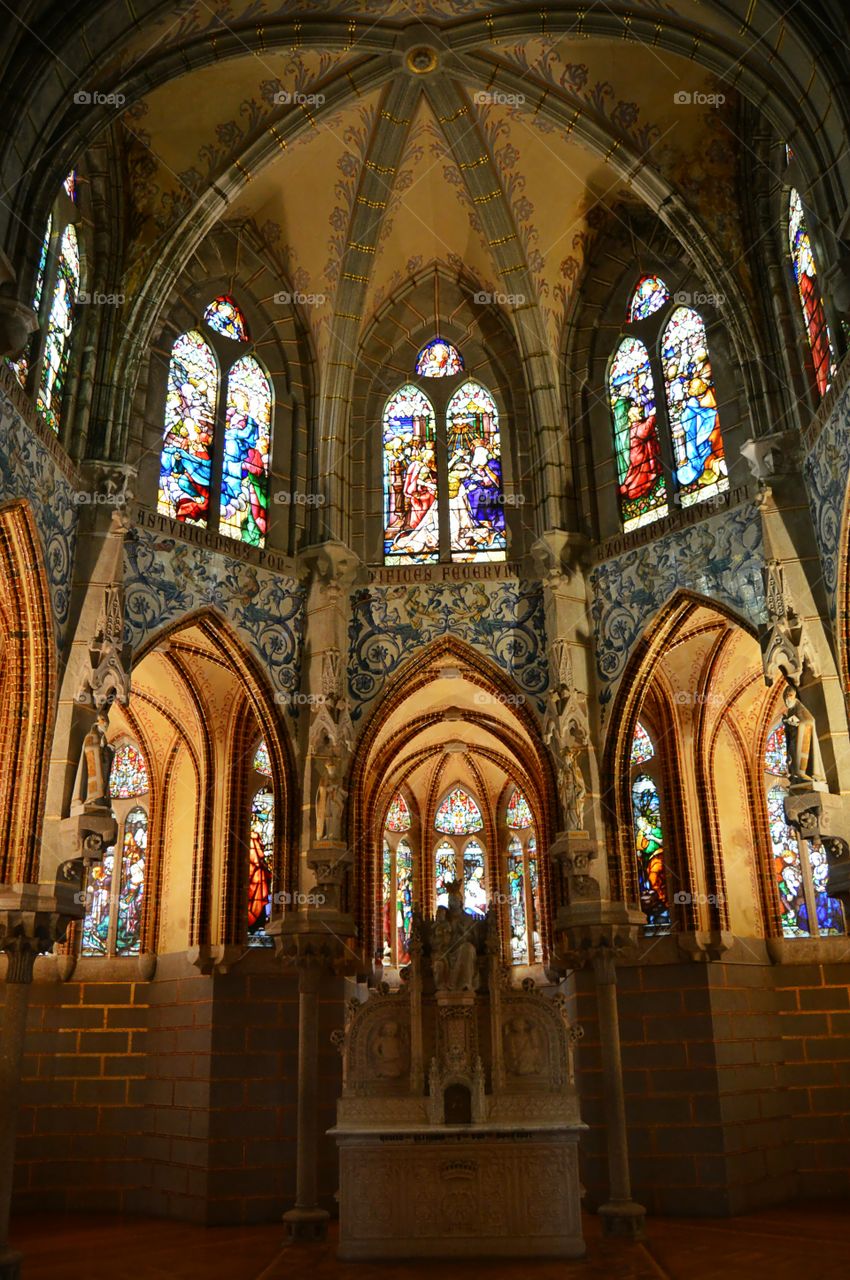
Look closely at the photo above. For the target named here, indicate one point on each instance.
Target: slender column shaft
(307, 1221)
(619, 1177)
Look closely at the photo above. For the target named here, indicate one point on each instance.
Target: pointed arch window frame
(228, 354)
(650, 332)
(123, 808)
(439, 392)
(29, 366)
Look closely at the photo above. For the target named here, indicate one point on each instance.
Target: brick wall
(173, 1097)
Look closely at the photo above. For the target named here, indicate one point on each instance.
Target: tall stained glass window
(518, 812)
(516, 902)
(190, 408)
(799, 870)
(60, 321)
(131, 888)
(650, 295)
(398, 814)
(21, 366)
(260, 867)
(805, 276)
(404, 899)
(474, 888)
(446, 871)
(648, 833)
(458, 815)
(642, 487)
(411, 505)
(698, 459)
(438, 359)
(224, 316)
(245, 466)
(476, 500)
(112, 925)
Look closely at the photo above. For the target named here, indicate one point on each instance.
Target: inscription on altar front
(391, 575)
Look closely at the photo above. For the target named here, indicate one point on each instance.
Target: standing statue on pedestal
(801, 742)
(91, 788)
(572, 790)
(330, 801)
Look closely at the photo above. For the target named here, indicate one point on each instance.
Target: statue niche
(456, 1086)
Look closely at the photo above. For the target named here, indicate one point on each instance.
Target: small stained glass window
(262, 760)
(776, 753)
(438, 359)
(650, 295)
(519, 814)
(129, 776)
(459, 815)
(224, 317)
(642, 748)
(398, 815)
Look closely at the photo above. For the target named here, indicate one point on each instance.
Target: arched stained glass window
(649, 850)
(474, 889)
(650, 296)
(404, 899)
(799, 870)
(438, 359)
(459, 815)
(245, 466)
(642, 488)
(260, 866)
(129, 775)
(112, 925)
(411, 506)
(445, 871)
(190, 407)
(398, 815)
(262, 759)
(476, 500)
(57, 344)
(642, 748)
(518, 812)
(698, 458)
(224, 317)
(805, 275)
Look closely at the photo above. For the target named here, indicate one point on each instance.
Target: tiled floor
(808, 1243)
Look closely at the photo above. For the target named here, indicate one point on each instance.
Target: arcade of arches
(424, 652)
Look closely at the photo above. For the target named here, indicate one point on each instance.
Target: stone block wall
(737, 1078)
(173, 1097)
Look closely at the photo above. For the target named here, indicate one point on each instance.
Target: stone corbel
(210, 959)
(34, 917)
(824, 819)
(704, 945)
(770, 456)
(108, 676)
(785, 646)
(597, 932)
(333, 566)
(575, 851)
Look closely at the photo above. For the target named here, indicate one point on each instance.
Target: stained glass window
(224, 317)
(642, 748)
(649, 849)
(260, 866)
(438, 359)
(57, 345)
(787, 869)
(698, 460)
(21, 366)
(411, 506)
(129, 776)
(387, 903)
(830, 913)
(459, 815)
(642, 488)
(516, 903)
(262, 760)
(398, 815)
(534, 884)
(519, 814)
(404, 899)
(132, 889)
(776, 753)
(245, 466)
(474, 890)
(476, 500)
(650, 296)
(805, 274)
(185, 466)
(446, 871)
(113, 919)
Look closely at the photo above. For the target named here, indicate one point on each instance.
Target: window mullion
(662, 419)
(441, 452)
(217, 464)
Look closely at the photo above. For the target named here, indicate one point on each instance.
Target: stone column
(306, 1221)
(33, 917)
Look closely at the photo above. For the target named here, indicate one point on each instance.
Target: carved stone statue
(804, 758)
(523, 1050)
(389, 1052)
(572, 790)
(330, 801)
(91, 788)
(454, 959)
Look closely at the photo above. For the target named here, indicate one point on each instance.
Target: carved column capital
(597, 933)
(33, 918)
